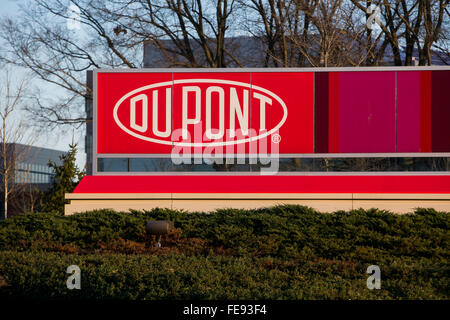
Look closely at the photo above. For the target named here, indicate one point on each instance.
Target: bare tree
(190, 33)
(26, 199)
(433, 16)
(272, 22)
(442, 45)
(409, 23)
(14, 129)
(39, 40)
(299, 33)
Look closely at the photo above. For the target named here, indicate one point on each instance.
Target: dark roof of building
(37, 155)
(250, 51)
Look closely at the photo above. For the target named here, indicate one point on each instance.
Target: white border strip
(293, 155)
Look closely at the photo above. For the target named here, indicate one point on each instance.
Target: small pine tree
(67, 176)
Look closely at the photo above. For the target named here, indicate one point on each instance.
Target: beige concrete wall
(398, 203)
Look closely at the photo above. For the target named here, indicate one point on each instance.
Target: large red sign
(219, 112)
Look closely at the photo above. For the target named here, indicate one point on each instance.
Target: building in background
(31, 176)
(251, 52)
(32, 166)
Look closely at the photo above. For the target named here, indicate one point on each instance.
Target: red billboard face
(153, 113)
(125, 112)
(296, 89)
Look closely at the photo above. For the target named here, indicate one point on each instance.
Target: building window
(386, 164)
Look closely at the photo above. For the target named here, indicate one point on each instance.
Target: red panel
(125, 109)
(321, 116)
(408, 111)
(425, 111)
(440, 111)
(334, 143)
(367, 108)
(226, 81)
(296, 90)
(111, 87)
(264, 184)
(360, 111)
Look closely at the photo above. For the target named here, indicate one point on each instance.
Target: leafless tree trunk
(442, 45)
(14, 129)
(416, 23)
(39, 40)
(433, 13)
(299, 33)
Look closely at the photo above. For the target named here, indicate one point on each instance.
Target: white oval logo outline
(200, 144)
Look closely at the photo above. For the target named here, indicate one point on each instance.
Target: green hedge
(37, 274)
(286, 232)
(284, 252)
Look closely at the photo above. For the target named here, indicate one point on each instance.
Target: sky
(58, 139)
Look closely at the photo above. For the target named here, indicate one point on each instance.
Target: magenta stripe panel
(367, 101)
(408, 111)
(440, 111)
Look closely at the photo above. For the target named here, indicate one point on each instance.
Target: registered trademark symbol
(276, 138)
